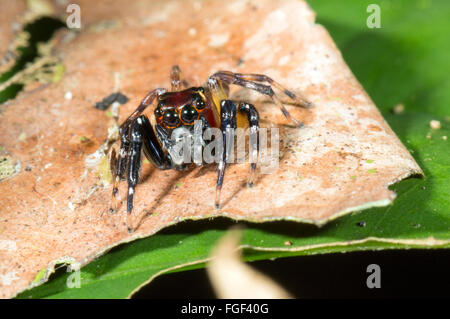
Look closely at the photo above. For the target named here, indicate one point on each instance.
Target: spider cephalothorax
(176, 114)
(175, 109)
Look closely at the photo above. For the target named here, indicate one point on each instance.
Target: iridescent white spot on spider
(212, 83)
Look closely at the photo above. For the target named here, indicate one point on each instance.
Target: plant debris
(233, 279)
(435, 125)
(110, 99)
(399, 109)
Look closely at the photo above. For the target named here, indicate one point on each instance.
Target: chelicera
(180, 109)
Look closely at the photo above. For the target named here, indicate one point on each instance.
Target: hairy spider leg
(120, 163)
(133, 167)
(143, 138)
(148, 100)
(250, 81)
(253, 120)
(298, 98)
(219, 94)
(227, 126)
(177, 79)
(113, 168)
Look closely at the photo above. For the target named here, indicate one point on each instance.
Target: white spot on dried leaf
(8, 245)
(8, 278)
(218, 40)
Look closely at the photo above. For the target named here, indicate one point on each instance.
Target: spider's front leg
(227, 126)
(139, 136)
(118, 164)
(148, 100)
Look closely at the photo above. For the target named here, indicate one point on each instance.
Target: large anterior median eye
(170, 118)
(188, 114)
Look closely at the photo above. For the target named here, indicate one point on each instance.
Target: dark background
(404, 274)
(410, 273)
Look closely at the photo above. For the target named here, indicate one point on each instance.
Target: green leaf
(406, 61)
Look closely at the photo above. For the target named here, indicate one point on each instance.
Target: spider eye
(170, 118)
(199, 103)
(158, 112)
(188, 114)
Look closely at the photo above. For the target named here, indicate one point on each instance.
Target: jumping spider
(180, 109)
